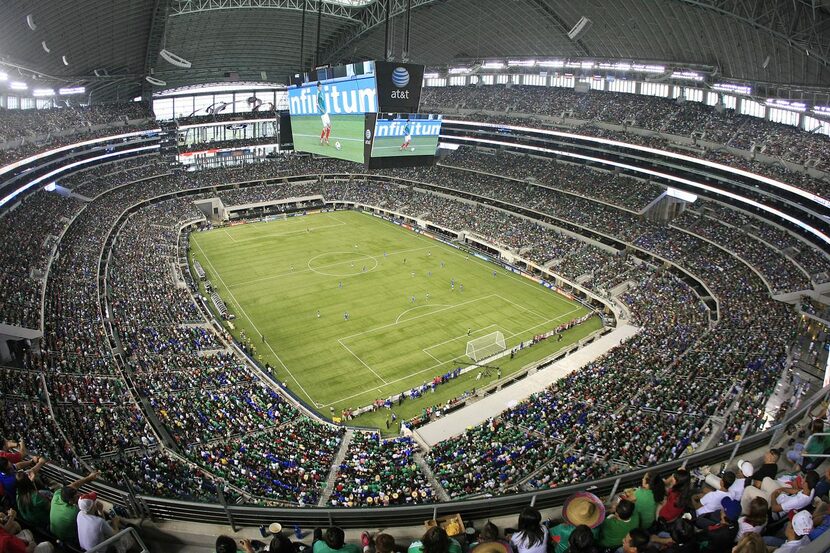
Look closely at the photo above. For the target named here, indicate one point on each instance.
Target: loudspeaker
(580, 28)
(173, 59)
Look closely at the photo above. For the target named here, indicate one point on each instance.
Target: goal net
(481, 348)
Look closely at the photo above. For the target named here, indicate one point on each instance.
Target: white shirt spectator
(520, 544)
(736, 490)
(794, 502)
(711, 502)
(746, 528)
(92, 530)
(792, 546)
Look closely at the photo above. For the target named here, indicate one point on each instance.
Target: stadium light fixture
(552, 63)
(493, 65)
(731, 87)
(521, 63)
(458, 70)
(823, 110)
(786, 104)
(645, 68)
(64, 60)
(43, 92)
(68, 91)
(615, 66)
(17, 85)
(586, 64)
(45, 46)
(686, 75)
(431, 75)
(4, 76)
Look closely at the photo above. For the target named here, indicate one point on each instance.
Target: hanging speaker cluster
(154, 81)
(173, 59)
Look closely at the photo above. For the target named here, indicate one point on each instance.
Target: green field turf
(390, 146)
(276, 276)
(346, 129)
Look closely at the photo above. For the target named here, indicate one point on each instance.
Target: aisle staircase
(341, 454)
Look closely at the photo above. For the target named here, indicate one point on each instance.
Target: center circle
(342, 263)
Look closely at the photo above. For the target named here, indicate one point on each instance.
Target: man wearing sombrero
(580, 508)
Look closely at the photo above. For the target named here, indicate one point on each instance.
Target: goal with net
(485, 346)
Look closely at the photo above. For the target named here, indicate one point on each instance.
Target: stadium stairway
(335, 465)
(436, 485)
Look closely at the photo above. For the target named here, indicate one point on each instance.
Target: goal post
(485, 346)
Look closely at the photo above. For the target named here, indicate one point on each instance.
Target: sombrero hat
(584, 508)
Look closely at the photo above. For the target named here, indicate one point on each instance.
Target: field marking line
(422, 307)
(363, 362)
(523, 308)
(445, 362)
(462, 336)
(228, 235)
(510, 274)
(265, 236)
(241, 310)
(308, 270)
(416, 317)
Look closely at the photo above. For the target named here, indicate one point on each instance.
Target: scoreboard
(363, 112)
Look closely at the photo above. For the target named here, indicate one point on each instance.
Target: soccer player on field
(321, 107)
(407, 131)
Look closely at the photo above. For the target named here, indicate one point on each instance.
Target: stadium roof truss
(112, 46)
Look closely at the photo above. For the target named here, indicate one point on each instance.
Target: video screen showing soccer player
(327, 116)
(406, 134)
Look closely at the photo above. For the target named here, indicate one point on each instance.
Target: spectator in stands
(582, 541)
(22, 542)
(678, 498)
(32, 504)
(710, 502)
(636, 541)
(434, 540)
(226, 544)
(9, 472)
(333, 540)
(785, 496)
(489, 536)
(756, 519)
(385, 543)
(750, 543)
(652, 491)
(63, 514)
(92, 527)
(720, 537)
(617, 525)
(682, 537)
(797, 532)
(530, 536)
(580, 509)
(13, 456)
(799, 455)
(821, 520)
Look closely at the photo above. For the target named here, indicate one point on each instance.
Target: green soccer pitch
(276, 276)
(346, 129)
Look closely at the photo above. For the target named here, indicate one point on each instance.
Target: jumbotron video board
(339, 111)
(406, 134)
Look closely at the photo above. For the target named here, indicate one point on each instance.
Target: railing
(238, 516)
(129, 531)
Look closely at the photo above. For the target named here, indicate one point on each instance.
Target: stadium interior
(436, 276)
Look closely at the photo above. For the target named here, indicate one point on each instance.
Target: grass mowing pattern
(276, 276)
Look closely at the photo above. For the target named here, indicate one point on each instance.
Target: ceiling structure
(111, 46)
